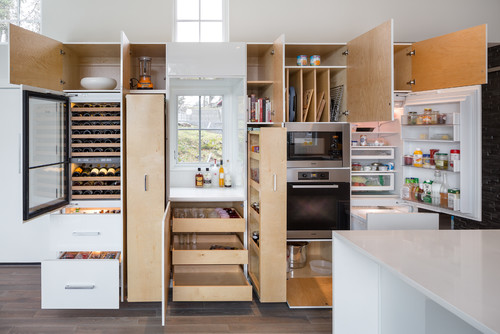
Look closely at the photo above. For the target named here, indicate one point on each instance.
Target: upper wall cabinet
(453, 60)
(206, 60)
(39, 61)
(356, 77)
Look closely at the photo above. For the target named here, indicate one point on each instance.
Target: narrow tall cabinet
(267, 212)
(145, 194)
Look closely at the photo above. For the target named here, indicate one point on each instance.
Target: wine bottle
(111, 171)
(87, 132)
(97, 192)
(88, 149)
(77, 172)
(94, 171)
(109, 149)
(87, 192)
(98, 149)
(77, 192)
(117, 173)
(103, 171)
(85, 171)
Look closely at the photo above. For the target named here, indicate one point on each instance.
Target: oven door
(317, 207)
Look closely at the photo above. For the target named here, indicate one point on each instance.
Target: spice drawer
(200, 253)
(86, 232)
(80, 284)
(210, 283)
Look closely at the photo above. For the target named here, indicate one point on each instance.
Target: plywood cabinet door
(125, 59)
(370, 75)
(278, 78)
(35, 60)
(453, 60)
(145, 195)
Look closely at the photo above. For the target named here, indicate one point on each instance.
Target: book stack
(258, 110)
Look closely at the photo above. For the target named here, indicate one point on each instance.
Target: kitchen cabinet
(454, 60)
(267, 213)
(145, 194)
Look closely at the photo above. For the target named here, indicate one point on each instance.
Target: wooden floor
(20, 313)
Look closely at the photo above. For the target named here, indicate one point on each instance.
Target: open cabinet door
(370, 79)
(453, 60)
(35, 60)
(165, 263)
(125, 64)
(278, 78)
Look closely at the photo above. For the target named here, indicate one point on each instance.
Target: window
(200, 21)
(199, 129)
(24, 13)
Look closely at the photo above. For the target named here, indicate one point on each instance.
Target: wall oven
(318, 201)
(318, 145)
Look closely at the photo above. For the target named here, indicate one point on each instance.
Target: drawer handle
(274, 182)
(79, 286)
(86, 234)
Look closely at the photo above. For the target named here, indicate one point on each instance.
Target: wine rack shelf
(95, 136)
(96, 154)
(95, 127)
(95, 118)
(90, 197)
(95, 178)
(98, 109)
(95, 144)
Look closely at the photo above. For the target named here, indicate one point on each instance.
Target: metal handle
(274, 182)
(86, 234)
(324, 186)
(145, 182)
(79, 286)
(20, 152)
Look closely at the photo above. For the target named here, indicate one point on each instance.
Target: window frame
(227, 118)
(224, 20)
(18, 21)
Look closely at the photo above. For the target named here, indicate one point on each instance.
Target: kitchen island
(416, 281)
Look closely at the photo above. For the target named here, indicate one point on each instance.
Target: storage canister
(454, 156)
(302, 60)
(297, 254)
(441, 161)
(315, 60)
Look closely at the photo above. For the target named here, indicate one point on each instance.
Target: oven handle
(328, 186)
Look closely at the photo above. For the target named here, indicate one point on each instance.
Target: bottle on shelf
(443, 193)
(405, 190)
(117, 171)
(85, 171)
(417, 158)
(77, 172)
(227, 175)
(94, 171)
(111, 171)
(198, 178)
(221, 174)
(214, 170)
(436, 188)
(207, 178)
(103, 171)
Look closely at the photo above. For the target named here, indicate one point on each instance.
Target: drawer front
(211, 293)
(86, 232)
(208, 225)
(209, 257)
(80, 284)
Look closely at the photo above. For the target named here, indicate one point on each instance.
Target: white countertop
(460, 269)
(215, 194)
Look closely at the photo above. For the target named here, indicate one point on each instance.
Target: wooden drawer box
(200, 253)
(210, 283)
(208, 225)
(80, 284)
(86, 231)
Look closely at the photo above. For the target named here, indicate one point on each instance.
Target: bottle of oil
(221, 174)
(443, 192)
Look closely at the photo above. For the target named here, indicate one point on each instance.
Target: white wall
(264, 20)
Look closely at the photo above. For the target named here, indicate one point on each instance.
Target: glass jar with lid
(441, 161)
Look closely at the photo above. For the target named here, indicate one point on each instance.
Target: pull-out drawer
(80, 284)
(210, 283)
(210, 249)
(207, 224)
(86, 231)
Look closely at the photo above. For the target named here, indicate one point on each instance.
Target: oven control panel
(319, 175)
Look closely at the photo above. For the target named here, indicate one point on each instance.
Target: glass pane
(188, 32)
(33, 26)
(188, 10)
(46, 131)
(4, 32)
(188, 146)
(211, 9)
(30, 14)
(8, 10)
(211, 32)
(211, 112)
(46, 186)
(188, 116)
(211, 145)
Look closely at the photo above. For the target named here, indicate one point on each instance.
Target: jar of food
(420, 119)
(356, 166)
(412, 118)
(441, 160)
(302, 60)
(363, 140)
(354, 143)
(408, 160)
(454, 156)
(426, 158)
(434, 116)
(441, 118)
(426, 118)
(433, 151)
(315, 60)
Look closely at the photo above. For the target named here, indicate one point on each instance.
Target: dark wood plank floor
(20, 313)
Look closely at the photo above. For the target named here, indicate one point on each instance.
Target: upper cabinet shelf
(330, 54)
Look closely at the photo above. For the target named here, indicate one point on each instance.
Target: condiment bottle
(443, 192)
(417, 158)
(199, 178)
(221, 174)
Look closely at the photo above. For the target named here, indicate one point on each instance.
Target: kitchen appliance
(145, 73)
(318, 201)
(313, 145)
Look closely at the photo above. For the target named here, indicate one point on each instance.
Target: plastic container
(321, 267)
(417, 158)
(454, 156)
(441, 160)
(297, 254)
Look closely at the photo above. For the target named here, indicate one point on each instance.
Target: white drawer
(80, 284)
(86, 232)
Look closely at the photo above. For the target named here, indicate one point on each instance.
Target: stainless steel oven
(318, 201)
(312, 145)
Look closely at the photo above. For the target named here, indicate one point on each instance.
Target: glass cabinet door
(45, 153)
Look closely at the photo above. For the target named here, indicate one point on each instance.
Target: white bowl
(98, 83)
(321, 266)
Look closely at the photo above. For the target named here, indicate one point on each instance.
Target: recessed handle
(324, 186)
(86, 233)
(274, 182)
(145, 182)
(80, 286)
